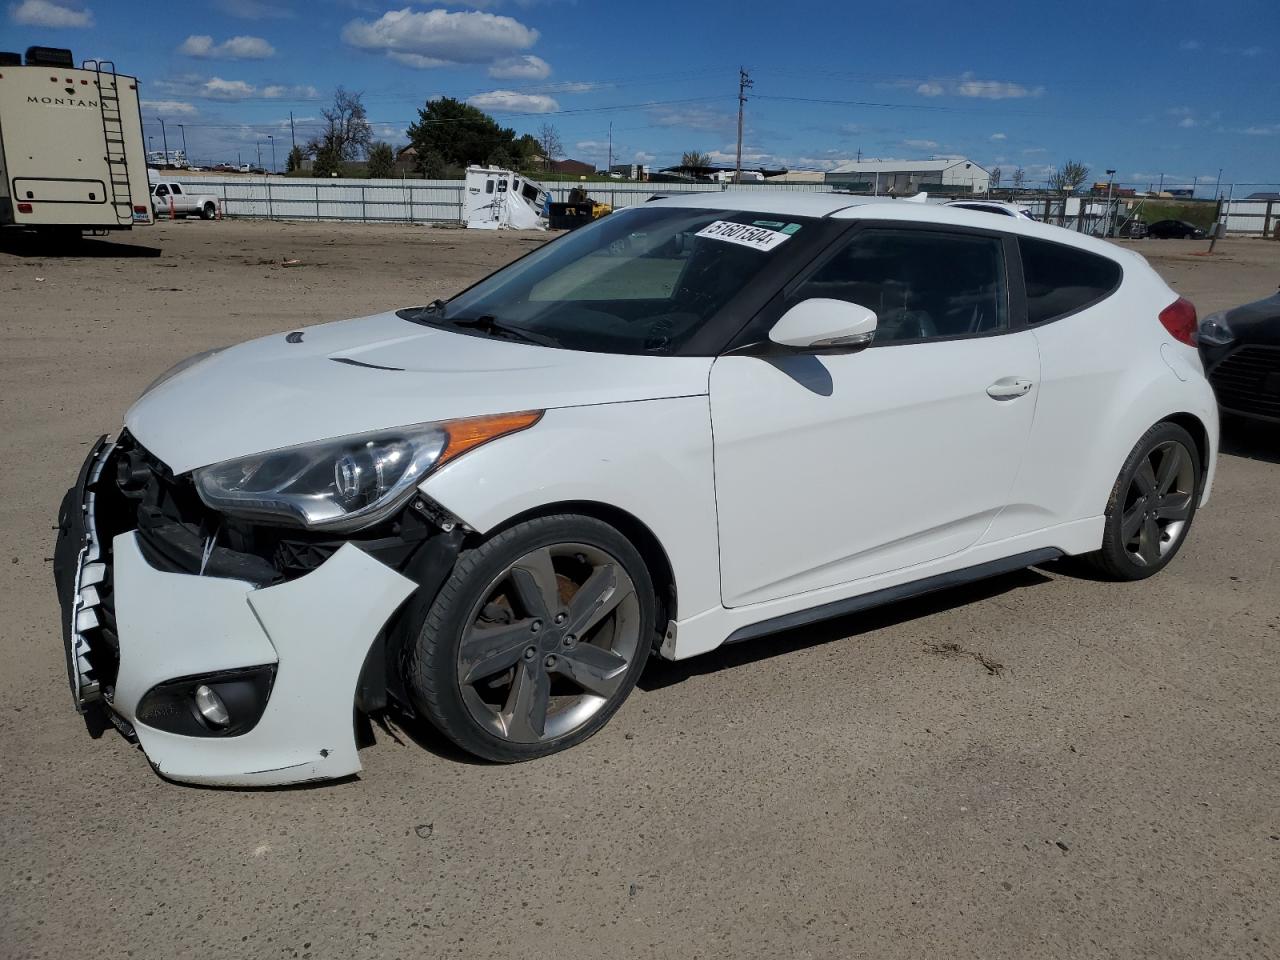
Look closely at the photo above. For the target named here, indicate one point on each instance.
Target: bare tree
(549, 143)
(695, 158)
(996, 174)
(1069, 176)
(346, 134)
(1019, 178)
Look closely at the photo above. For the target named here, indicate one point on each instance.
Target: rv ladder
(113, 137)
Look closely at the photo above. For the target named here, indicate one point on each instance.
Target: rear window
(1061, 279)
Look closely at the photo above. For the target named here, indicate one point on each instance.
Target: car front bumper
(314, 632)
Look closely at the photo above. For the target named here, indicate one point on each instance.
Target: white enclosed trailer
(494, 198)
(71, 149)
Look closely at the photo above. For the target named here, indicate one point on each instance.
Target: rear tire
(1152, 505)
(535, 640)
(208, 212)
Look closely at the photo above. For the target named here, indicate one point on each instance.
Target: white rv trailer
(71, 150)
(494, 198)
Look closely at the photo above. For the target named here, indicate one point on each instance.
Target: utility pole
(1109, 220)
(1161, 190)
(609, 168)
(1195, 180)
(185, 156)
(293, 137)
(259, 145)
(744, 84)
(1217, 187)
(273, 152)
(165, 140)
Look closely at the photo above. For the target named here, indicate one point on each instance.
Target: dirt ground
(1036, 766)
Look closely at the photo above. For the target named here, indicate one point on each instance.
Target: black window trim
(753, 337)
(1022, 280)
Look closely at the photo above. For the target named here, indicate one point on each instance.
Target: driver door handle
(1009, 388)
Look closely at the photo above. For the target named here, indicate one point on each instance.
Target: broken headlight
(348, 482)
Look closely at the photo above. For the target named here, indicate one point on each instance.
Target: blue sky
(1175, 87)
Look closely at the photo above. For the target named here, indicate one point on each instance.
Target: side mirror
(820, 325)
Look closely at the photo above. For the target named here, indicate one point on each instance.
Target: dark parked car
(1174, 230)
(1241, 351)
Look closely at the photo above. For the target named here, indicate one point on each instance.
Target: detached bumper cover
(318, 630)
(128, 627)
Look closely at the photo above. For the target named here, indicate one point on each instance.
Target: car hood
(377, 372)
(1257, 322)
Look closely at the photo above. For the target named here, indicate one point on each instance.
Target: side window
(1061, 279)
(921, 284)
(488, 186)
(177, 188)
(162, 191)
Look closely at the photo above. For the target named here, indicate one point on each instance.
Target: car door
(832, 468)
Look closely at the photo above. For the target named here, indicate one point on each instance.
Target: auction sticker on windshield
(744, 234)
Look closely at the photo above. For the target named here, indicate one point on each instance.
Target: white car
(693, 422)
(999, 207)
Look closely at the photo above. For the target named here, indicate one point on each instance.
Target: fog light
(211, 706)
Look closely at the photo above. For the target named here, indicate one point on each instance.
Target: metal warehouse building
(910, 176)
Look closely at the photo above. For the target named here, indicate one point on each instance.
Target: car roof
(844, 206)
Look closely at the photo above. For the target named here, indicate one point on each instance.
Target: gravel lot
(1039, 765)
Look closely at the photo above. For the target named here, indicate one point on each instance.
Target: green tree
(1069, 176)
(503, 158)
(381, 162)
(327, 157)
(294, 163)
(528, 152)
(457, 133)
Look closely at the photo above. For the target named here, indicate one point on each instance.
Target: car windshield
(640, 281)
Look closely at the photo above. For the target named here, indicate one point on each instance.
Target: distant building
(577, 168)
(912, 176)
(799, 176)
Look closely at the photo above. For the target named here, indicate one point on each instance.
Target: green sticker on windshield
(771, 224)
(790, 228)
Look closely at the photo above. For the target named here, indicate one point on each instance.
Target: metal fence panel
(440, 201)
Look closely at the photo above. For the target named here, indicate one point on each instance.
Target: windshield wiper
(434, 309)
(494, 327)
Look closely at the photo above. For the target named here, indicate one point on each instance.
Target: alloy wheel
(549, 643)
(1158, 503)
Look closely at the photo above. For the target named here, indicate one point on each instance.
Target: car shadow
(19, 244)
(663, 673)
(1252, 439)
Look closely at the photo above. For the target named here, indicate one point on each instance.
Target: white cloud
(179, 107)
(282, 92)
(1187, 122)
(442, 36)
(202, 47)
(921, 144)
(511, 101)
(1190, 45)
(998, 136)
(215, 88)
(1261, 131)
(46, 13)
(967, 85)
(417, 60)
(1033, 150)
(570, 86)
(255, 9)
(527, 67)
(641, 156)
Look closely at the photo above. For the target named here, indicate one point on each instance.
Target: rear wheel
(208, 211)
(1152, 505)
(535, 640)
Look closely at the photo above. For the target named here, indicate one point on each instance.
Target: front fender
(651, 459)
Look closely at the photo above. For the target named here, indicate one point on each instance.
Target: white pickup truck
(170, 199)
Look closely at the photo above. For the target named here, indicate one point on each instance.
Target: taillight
(1179, 318)
(139, 209)
(24, 208)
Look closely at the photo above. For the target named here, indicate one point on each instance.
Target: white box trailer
(71, 148)
(494, 198)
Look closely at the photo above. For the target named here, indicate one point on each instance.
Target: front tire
(535, 640)
(1151, 506)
